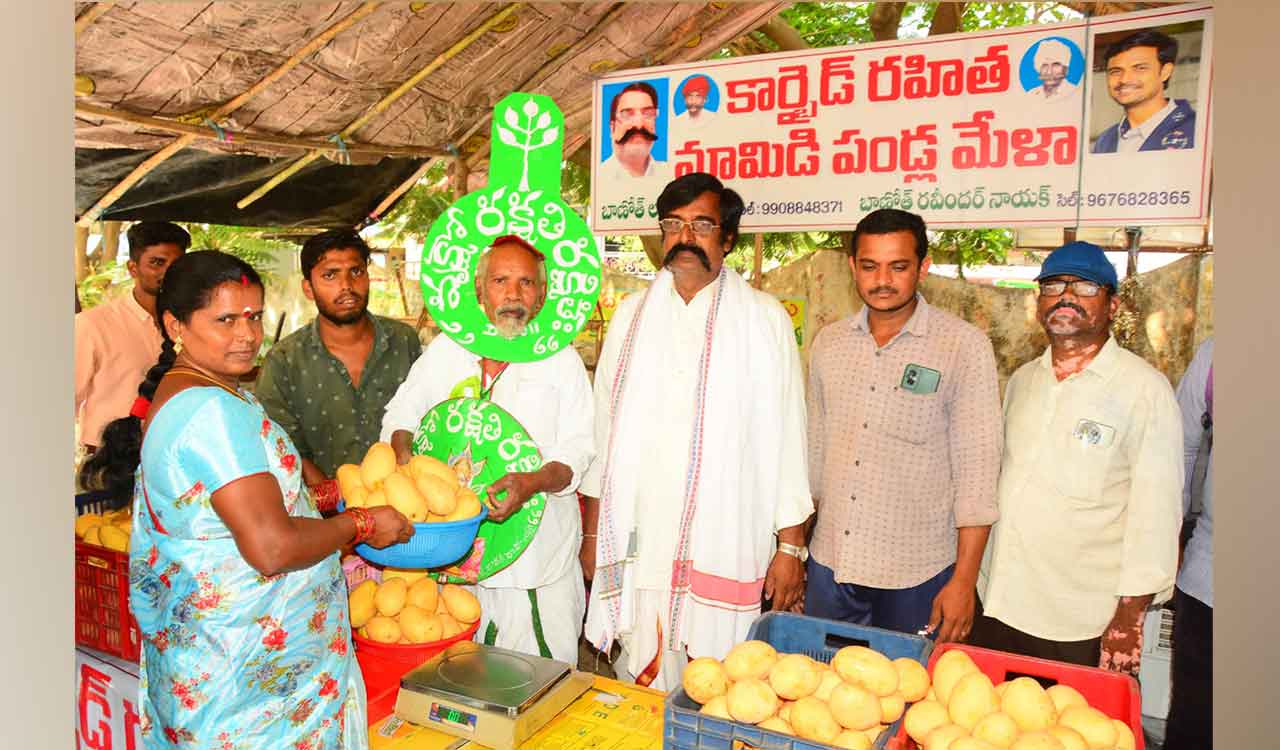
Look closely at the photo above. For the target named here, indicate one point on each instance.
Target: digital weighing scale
(490, 695)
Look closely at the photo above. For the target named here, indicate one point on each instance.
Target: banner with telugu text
(1080, 123)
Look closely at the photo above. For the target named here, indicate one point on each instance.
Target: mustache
(513, 308)
(685, 247)
(1064, 304)
(882, 290)
(643, 133)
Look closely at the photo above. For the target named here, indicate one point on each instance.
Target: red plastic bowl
(410, 653)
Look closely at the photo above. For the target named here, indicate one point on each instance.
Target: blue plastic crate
(686, 729)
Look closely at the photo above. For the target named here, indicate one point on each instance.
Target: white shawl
(749, 387)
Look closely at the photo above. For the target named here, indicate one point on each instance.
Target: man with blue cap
(1090, 486)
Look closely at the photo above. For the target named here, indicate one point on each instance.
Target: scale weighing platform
(490, 695)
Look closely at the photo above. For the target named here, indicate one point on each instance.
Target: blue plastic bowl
(433, 545)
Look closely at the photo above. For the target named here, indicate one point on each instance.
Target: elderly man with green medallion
(535, 605)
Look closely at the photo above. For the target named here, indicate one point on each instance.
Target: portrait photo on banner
(635, 139)
(1144, 88)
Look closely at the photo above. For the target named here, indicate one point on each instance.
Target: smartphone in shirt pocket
(1083, 466)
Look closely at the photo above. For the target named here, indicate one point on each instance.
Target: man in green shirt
(328, 383)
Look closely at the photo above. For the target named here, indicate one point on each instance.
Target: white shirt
(1196, 577)
(1090, 496)
(683, 121)
(551, 398)
(612, 169)
(670, 428)
(1132, 139)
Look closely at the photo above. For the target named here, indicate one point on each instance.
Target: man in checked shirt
(905, 438)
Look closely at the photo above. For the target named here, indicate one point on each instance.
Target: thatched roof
(380, 86)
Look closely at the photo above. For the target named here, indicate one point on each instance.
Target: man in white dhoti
(701, 441)
(535, 605)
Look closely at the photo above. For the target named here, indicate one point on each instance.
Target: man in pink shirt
(118, 341)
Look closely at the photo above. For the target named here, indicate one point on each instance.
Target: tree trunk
(782, 34)
(885, 19)
(946, 18)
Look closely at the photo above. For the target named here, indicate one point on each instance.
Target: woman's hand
(390, 526)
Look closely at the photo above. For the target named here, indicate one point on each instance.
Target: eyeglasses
(1079, 287)
(699, 226)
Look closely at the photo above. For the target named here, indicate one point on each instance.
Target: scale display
(452, 717)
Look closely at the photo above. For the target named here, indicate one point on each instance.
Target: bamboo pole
(384, 103)
(82, 259)
(200, 132)
(394, 195)
(91, 14)
(158, 158)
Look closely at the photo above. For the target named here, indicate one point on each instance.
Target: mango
(1064, 697)
(360, 603)
(794, 677)
(750, 660)
(717, 707)
(852, 740)
(378, 464)
(449, 627)
(383, 630)
(467, 505)
(404, 497)
(348, 476)
(829, 681)
(973, 699)
(93, 535)
(998, 728)
(420, 626)
(1124, 735)
(913, 679)
(704, 679)
(391, 596)
(776, 724)
(863, 666)
(376, 497)
(440, 496)
(1070, 738)
(812, 719)
(891, 708)
(1037, 741)
(854, 707)
(410, 575)
(752, 701)
(113, 537)
(948, 670)
(424, 466)
(1029, 705)
(943, 737)
(924, 717)
(356, 497)
(424, 594)
(462, 604)
(86, 522)
(1096, 727)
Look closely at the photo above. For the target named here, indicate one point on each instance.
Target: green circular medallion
(482, 442)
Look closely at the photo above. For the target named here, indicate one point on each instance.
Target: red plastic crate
(103, 620)
(1114, 694)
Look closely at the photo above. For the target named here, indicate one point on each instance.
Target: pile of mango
(847, 703)
(965, 711)
(410, 608)
(110, 529)
(425, 490)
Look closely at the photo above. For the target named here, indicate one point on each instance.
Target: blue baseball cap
(1083, 259)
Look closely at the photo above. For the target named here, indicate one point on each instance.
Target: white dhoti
(546, 621)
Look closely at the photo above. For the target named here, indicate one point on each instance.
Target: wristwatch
(801, 553)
